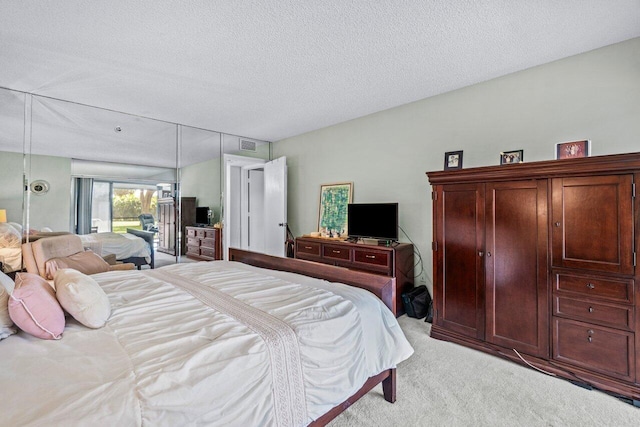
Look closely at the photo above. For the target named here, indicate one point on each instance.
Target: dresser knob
(589, 339)
(370, 256)
(590, 285)
(557, 224)
(590, 309)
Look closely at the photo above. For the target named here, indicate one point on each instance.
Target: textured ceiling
(271, 69)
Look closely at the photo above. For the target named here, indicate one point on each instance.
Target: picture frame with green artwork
(332, 217)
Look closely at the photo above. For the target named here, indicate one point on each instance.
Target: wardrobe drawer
(605, 350)
(616, 316)
(336, 252)
(620, 290)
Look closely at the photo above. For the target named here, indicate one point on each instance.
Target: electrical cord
(416, 251)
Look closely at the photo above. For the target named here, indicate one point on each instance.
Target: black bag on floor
(417, 303)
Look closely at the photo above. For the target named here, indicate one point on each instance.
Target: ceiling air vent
(246, 145)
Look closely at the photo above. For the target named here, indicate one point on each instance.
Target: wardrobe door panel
(516, 266)
(592, 223)
(459, 233)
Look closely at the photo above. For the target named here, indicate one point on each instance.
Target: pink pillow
(86, 262)
(34, 309)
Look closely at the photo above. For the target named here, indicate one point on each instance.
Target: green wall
(52, 209)
(202, 181)
(595, 96)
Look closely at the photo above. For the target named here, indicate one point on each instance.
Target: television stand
(393, 261)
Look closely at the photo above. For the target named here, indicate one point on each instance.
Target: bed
(134, 246)
(212, 343)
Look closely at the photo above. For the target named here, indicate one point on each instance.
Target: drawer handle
(336, 252)
(308, 247)
(590, 309)
(589, 339)
(557, 224)
(591, 285)
(370, 256)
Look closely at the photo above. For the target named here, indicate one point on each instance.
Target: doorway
(255, 200)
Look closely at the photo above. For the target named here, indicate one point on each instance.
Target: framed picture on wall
(508, 157)
(453, 160)
(332, 218)
(574, 149)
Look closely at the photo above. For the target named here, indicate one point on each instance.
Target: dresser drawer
(602, 314)
(372, 257)
(193, 250)
(336, 252)
(200, 232)
(191, 232)
(207, 252)
(209, 234)
(596, 348)
(193, 241)
(598, 287)
(308, 248)
(208, 242)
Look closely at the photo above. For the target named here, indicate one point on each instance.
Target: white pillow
(82, 297)
(6, 324)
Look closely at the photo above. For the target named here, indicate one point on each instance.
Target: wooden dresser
(204, 243)
(393, 261)
(538, 260)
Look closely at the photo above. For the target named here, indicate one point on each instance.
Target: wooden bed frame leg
(389, 387)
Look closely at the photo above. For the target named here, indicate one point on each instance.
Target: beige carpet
(444, 384)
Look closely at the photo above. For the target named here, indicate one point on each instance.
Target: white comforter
(190, 354)
(122, 245)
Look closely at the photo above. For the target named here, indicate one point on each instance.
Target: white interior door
(275, 206)
(252, 228)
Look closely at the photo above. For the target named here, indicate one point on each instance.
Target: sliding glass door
(101, 207)
(116, 206)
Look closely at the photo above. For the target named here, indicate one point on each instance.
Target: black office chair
(148, 222)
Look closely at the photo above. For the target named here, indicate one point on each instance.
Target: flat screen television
(202, 216)
(373, 220)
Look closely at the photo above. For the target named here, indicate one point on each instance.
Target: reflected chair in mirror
(148, 222)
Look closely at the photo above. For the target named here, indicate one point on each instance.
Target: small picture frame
(453, 160)
(510, 157)
(573, 150)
